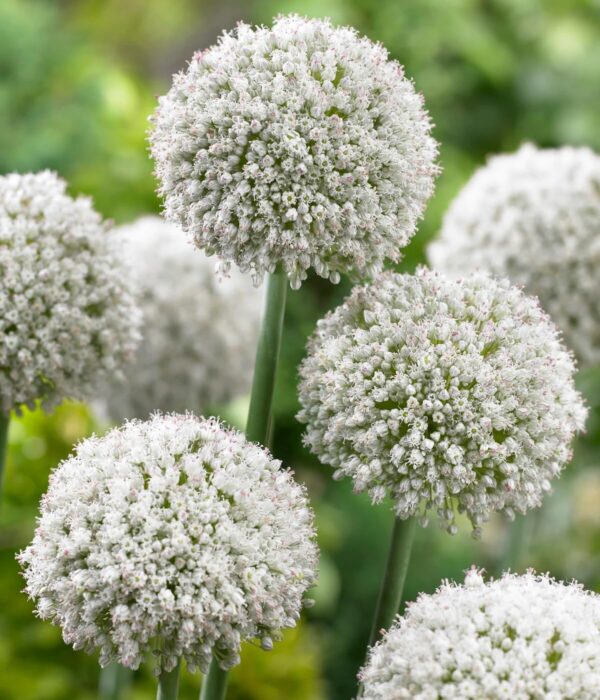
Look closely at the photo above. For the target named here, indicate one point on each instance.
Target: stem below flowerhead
(4, 424)
(168, 684)
(215, 682)
(114, 682)
(267, 358)
(392, 586)
(259, 423)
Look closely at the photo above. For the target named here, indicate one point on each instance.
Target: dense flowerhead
(68, 320)
(199, 330)
(534, 217)
(442, 394)
(521, 637)
(174, 535)
(301, 145)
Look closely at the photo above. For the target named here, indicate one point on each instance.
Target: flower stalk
(519, 539)
(4, 425)
(215, 682)
(392, 585)
(267, 358)
(168, 684)
(259, 422)
(115, 679)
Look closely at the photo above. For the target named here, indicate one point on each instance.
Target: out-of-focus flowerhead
(175, 535)
(68, 320)
(441, 393)
(534, 216)
(199, 331)
(301, 145)
(522, 637)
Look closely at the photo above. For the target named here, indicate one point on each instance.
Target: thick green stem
(4, 424)
(267, 357)
(114, 682)
(392, 586)
(168, 684)
(519, 539)
(215, 683)
(259, 423)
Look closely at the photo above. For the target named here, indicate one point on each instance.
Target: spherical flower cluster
(175, 534)
(520, 637)
(199, 332)
(300, 145)
(441, 393)
(534, 217)
(68, 319)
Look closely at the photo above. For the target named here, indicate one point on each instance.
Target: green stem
(168, 684)
(519, 539)
(215, 683)
(267, 357)
(259, 423)
(114, 682)
(392, 586)
(4, 424)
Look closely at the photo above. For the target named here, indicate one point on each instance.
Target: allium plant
(288, 148)
(534, 216)
(300, 145)
(442, 394)
(68, 320)
(520, 637)
(199, 331)
(174, 536)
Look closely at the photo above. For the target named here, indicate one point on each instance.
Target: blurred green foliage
(78, 79)
(65, 105)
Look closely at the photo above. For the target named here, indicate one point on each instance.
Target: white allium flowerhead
(301, 145)
(173, 535)
(442, 394)
(199, 331)
(68, 320)
(518, 638)
(534, 216)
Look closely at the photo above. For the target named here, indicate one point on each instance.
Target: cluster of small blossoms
(199, 331)
(174, 534)
(300, 145)
(68, 320)
(441, 392)
(520, 638)
(534, 216)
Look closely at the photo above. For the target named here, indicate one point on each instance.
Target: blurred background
(78, 79)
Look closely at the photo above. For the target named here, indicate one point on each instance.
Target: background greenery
(78, 79)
